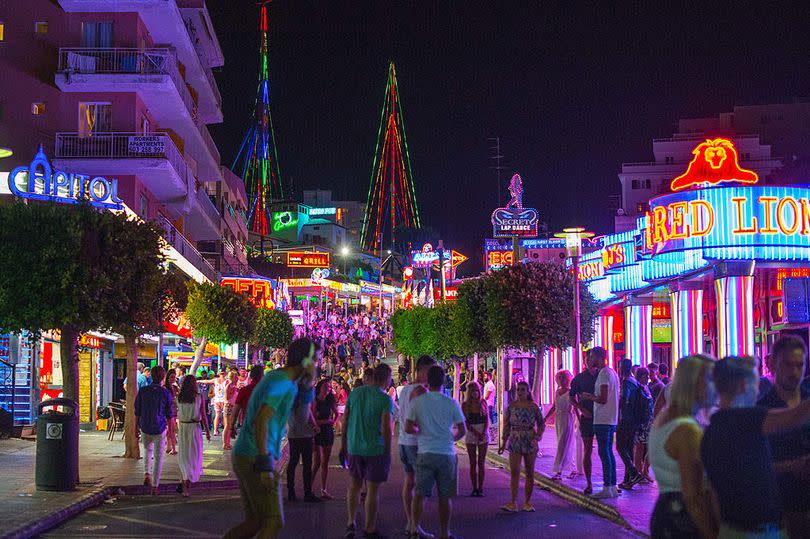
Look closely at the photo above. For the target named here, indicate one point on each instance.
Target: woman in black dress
(324, 408)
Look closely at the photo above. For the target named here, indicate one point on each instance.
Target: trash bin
(57, 464)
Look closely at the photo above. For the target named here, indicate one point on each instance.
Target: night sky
(572, 92)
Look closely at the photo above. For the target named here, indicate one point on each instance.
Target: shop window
(37, 108)
(40, 27)
(97, 34)
(94, 118)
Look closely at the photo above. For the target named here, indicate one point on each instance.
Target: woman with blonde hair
(682, 509)
(476, 417)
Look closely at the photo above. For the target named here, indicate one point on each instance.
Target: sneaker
(509, 507)
(605, 493)
(291, 497)
(635, 479)
(480, 493)
(527, 507)
(615, 491)
(311, 498)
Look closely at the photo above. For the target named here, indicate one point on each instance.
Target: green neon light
(284, 220)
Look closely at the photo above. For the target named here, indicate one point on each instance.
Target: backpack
(640, 407)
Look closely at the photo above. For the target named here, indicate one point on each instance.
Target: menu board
(85, 387)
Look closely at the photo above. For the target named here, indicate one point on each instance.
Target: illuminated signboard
(590, 270)
(731, 222)
(500, 259)
(617, 255)
(318, 274)
(307, 260)
(514, 220)
(283, 220)
(39, 181)
(322, 211)
(258, 289)
(715, 161)
(427, 256)
(457, 258)
(89, 341)
(451, 293)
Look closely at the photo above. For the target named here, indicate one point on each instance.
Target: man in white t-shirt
(438, 423)
(408, 443)
(489, 397)
(605, 418)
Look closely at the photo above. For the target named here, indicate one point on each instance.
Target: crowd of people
(728, 448)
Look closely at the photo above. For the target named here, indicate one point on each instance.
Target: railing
(126, 61)
(698, 136)
(122, 146)
(208, 206)
(9, 383)
(186, 249)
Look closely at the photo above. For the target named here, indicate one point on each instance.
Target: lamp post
(344, 251)
(381, 280)
(573, 246)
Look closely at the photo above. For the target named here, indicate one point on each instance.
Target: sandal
(326, 496)
(556, 477)
(509, 507)
(527, 507)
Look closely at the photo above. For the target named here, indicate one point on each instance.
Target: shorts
(326, 437)
(436, 469)
(258, 500)
(374, 469)
(341, 409)
(407, 456)
(586, 427)
(219, 406)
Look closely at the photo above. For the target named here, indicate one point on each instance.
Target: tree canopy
(274, 329)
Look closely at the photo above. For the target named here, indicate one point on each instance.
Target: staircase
(15, 385)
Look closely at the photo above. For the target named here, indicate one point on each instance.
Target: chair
(117, 412)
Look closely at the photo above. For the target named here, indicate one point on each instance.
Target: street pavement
(210, 513)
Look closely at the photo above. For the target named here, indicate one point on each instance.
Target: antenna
(496, 149)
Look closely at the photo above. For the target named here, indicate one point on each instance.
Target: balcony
(154, 75)
(165, 23)
(154, 159)
(185, 248)
(157, 163)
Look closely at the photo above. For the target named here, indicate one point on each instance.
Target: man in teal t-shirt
(258, 445)
(366, 444)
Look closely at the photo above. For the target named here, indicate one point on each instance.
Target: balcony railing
(122, 146)
(125, 61)
(186, 249)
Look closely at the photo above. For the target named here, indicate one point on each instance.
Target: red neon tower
(391, 201)
(257, 160)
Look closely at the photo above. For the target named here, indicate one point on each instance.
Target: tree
(147, 295)
(530, 305)
(274, 329)
(218, 314)
(53, 275)
(469, 325)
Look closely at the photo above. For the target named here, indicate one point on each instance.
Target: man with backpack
(635, 410)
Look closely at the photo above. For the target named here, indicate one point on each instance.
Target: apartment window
(641, 207)
(647, 184)
(143, 207)
(669, 160)
(40, 27)
(37, 108)
(94, 118)
(636, 184)
(146, 128)
(2, 31)
(97, 34)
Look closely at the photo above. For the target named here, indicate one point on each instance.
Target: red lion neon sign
(715, 162)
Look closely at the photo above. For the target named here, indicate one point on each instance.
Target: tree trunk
(457, 381)
(131, 448)
(198, 356)
(69, 356)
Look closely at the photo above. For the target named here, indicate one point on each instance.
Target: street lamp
(5, 152)
(573, 246)
(344, 251)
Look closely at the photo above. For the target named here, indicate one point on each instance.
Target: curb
(98, 496)
(573, 496)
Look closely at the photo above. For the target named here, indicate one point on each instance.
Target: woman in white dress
(192, 418)
(564, 426)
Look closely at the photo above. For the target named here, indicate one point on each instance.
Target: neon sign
(318, 274)
(322, 211)
(427, 256)
(258, 290)
(727, 217)
(38, 181)
(614, 255)
(715, 161)
(283, 220)
(308, 260)
(590, 270)
(499, 259)
(514, 220)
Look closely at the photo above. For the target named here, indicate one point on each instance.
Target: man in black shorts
(585, 382)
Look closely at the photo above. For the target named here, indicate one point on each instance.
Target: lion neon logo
(715, 161)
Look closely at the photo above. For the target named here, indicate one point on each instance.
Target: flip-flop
(527, 508)
(509, 508)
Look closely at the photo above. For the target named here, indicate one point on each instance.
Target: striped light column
(603, 336)
(686, 301)
(734, 293)
(638, 331)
